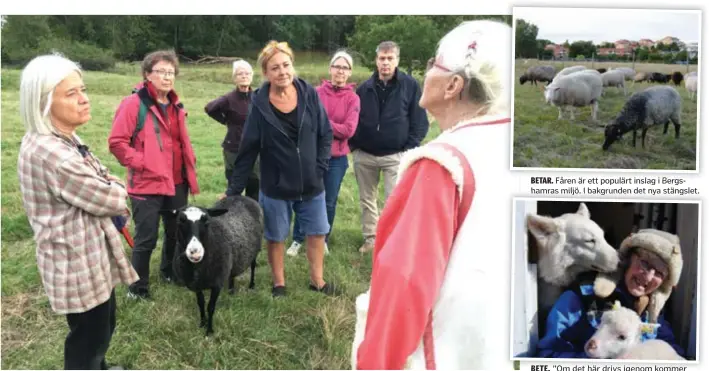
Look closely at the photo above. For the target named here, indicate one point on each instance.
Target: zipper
(297, 148)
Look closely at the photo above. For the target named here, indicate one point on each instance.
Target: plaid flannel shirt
(69, 204)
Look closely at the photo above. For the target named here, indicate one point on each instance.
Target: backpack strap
(466, 199)
(142, 113)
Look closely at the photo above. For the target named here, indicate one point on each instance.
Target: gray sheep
(577, 89)
(216, 245)
(538, 73)
(656, 105)
(614, 78)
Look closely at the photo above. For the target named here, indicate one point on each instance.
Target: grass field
(540, 140)
(252, 331)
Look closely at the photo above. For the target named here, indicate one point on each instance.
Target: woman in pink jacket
(342, 106)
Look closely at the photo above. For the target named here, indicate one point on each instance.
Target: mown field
(305, 330)
(540, 140)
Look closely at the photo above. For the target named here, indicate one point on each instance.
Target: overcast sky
(599, 25)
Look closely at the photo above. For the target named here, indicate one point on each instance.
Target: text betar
(641, 180)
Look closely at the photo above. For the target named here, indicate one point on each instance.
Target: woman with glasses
(149, 136)
(231, 110)
(290, 131)
(651, 263)
(342, 107)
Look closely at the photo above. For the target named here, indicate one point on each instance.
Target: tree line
(528, 46)
(98, 42)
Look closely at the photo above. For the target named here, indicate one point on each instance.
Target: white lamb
(578, 89)
(614, 78)
(569, 70)
(691, 81)
(619, 336)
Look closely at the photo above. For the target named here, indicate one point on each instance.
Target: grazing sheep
(691, 82)
(640, 77)
(601, 70)
(216, 245)
(614, 78)
(619, 335)
(657, 77)
(656, 105)
(569, 70)
(677, 78)
(538, 73)
(627, 71)
(577, 89)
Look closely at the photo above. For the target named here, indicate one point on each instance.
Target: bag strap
(142, 113)
(466, 199)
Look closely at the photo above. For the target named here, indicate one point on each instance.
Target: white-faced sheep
(614, 78)
(216, 245)
(569, 70)
(538, 73)
(620, 336)
(640, 77)
(691, 82)
(656, 105)
(578, 89)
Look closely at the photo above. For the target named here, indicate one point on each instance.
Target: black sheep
(601, 70)
(677, 78)
(216, 245)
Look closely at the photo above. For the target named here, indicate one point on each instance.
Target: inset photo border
(604, 88)
(569, 267)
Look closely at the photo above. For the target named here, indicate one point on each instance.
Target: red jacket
(154, 176)
(342, 107)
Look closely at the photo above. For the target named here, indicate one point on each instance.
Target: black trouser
(146, 216)
(89, 336)
(252, 184)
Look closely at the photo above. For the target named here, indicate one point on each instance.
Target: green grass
(540, 140)
(252, 331)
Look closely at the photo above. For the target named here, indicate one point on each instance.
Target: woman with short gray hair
(70, 199)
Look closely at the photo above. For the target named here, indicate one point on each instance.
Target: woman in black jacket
(231, 110)
(288, 128)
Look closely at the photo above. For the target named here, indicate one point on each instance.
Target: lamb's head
(192, 227)
(620, 330)
(551, 91)
(571, 244)
(523, 79)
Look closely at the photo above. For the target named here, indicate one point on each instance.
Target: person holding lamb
(651, 263)
(429, 301)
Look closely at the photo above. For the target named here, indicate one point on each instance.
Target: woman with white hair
(439, 261)
(231, 110)
(70, 197)
(342, 106)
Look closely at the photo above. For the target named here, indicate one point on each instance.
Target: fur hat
(666, 246)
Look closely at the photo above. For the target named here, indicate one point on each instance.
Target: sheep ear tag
(616, 305)
(649, 328)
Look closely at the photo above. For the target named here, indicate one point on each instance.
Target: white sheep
(614, 78)
(620, 336)
(628, 72)
(691, 82)
(569, 70)
(578, 89)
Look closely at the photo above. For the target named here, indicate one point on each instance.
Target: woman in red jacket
(160, 162)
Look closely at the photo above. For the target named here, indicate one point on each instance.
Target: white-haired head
(481, 52)
(241, 64)
(342, 54)
(39, 79)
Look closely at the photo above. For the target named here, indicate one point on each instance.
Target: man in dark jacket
(390, 123)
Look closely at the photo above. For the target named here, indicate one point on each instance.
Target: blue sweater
(568, 328)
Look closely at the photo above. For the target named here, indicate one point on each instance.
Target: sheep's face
(192, 226)
(612, 133)
(550, 93)
(620, 330)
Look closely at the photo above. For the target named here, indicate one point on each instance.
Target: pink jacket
(150, 167)
(342, 107)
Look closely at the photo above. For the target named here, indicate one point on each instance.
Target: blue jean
(277, 216)
(333, 180)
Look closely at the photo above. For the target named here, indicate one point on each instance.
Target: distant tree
(526, 45)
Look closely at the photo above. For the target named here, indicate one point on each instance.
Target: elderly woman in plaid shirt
(70, 200)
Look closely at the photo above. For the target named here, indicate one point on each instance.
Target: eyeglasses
(646, 266)
(432, 63)
(340, 68)
(165, 73)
